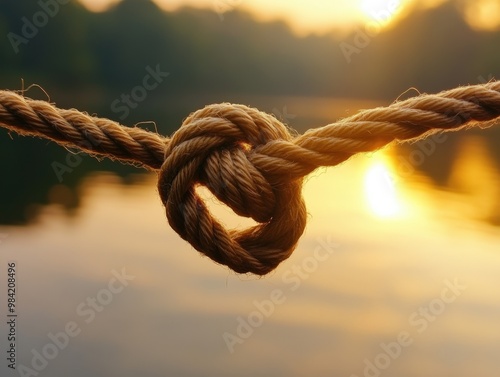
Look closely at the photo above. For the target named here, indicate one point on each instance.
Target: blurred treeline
(430, 50)
(87, 60)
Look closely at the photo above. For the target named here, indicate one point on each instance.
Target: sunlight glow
(380, 190)
(320, 16)
(382, 11)
(315, 16)
(98, 5)
(483, 14)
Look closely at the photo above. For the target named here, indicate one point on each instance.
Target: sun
(381, 11)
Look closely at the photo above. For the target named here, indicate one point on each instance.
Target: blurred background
(397, 226)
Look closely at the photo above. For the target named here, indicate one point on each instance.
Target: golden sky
(318, 16)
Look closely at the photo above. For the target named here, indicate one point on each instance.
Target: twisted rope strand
(74, 129)
(248, 159)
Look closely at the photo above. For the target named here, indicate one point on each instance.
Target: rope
(248, 159)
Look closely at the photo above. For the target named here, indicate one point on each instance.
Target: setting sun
(381, 10)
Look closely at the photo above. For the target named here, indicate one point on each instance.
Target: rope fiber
(248, 159)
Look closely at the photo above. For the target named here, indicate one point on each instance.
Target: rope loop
(213, 147)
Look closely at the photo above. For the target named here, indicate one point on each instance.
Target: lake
(396, 275)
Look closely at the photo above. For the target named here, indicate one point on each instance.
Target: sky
(320, 16)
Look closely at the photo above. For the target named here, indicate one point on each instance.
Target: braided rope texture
(248, 159)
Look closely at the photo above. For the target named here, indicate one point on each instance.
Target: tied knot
(215, 147)
(248, 160)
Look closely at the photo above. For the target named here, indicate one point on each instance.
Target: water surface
(387, 257)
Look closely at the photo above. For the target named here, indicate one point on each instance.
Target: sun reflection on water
(380, 189)
(361, 296)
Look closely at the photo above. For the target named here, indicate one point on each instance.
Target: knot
(214, 148)
(248, 160)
